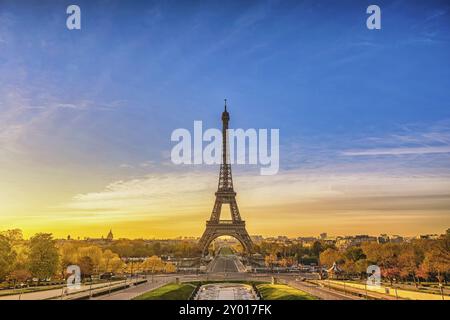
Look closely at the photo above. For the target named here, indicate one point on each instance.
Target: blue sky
(100, 103)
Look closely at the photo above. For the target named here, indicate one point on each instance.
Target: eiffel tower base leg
(235, 229)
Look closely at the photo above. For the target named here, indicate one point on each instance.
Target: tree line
(42, 257)
(419, 259)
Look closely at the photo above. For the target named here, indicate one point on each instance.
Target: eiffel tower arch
(215, 227)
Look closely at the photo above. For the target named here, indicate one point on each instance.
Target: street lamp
(90, 287)
(441, 289)
(395, 288)
(21, 290)
(365, 289)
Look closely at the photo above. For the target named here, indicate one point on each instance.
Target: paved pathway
(135, 291)
(54, 293)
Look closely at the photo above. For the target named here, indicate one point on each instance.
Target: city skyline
(86, 116)
(104, 236)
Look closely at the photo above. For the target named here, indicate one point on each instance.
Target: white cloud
(412, 140)
(398, 151)
(173, 194)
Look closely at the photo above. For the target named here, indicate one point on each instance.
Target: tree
(152, 264)
(329, 256)
(86, 266)
(361, 267)
(354, 254)
(270, 260)
(409, 259)
(284, 262)
(316, 248)
(116, 265)
(372, 251)
(437, 261)
(385, 256)
(170, 268)
(94, 253)
(20, 275)
(14, 236)
(7, 257)
(68, 254)
(351, 257)
(107, 256)
(44, 256)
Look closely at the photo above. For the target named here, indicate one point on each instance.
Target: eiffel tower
(225, 194)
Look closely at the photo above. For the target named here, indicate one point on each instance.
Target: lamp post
(395, 288)
(90, 287)
(21, 290)
(62, 292)
(441, 289)
(365, 289)
(345, 289)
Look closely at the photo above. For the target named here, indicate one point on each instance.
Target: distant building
(383, 238)
(429, 236)
(102, 240)
(396, 239)
(307, 241)
(257, 238)
(347, 242)
(323, 236)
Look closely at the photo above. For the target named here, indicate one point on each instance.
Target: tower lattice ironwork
(215, 227)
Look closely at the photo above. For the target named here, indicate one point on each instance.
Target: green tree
(44, 257)
(7, 257)
(354, 254)
(316, 248)
(361, 267)
(14, 236)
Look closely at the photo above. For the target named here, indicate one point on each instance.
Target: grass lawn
(282, 292)
(171, 291)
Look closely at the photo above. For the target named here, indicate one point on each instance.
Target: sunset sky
(86, 115)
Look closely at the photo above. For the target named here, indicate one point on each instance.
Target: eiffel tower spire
(225, 178)
(225, 194)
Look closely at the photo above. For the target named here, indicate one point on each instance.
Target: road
(223, 264)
